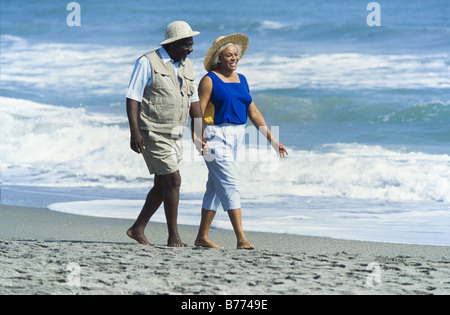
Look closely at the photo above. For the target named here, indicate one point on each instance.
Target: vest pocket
(190, 84)
(162, 79)
(160, 111)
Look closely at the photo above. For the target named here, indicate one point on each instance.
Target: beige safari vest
(165, 105)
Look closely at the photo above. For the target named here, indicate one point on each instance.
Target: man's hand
(137, 142)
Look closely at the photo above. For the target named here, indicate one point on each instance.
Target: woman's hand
(281, 150)
(201, 146)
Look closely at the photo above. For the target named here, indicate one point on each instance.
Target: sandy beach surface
(44, 252)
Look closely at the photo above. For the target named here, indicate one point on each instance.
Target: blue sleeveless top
(230, 101)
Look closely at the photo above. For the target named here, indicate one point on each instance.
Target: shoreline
(59, 226)
(38, 246)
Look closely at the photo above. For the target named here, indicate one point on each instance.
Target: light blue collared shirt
(142, 76)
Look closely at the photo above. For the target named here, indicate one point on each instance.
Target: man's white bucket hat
(178, 30)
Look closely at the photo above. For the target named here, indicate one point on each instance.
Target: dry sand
(44, 252)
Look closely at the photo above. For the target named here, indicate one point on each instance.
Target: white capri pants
(225, 142)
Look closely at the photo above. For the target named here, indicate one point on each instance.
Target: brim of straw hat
(238, 39)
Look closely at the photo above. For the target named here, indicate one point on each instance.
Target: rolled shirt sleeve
(140, 78)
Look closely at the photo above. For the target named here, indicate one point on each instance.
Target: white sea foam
(347, 70)
(50, 145)
(72, 68)
(104, 70)
(273, 25)
(414, 223)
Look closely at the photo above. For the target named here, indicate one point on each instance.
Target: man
(160, 96)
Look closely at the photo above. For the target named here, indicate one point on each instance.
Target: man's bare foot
(175, 241)
(205, 242)
(245, 244)
(138, 237)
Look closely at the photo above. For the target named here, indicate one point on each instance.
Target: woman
(226, 103)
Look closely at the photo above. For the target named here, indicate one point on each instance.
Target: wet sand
(45, 252)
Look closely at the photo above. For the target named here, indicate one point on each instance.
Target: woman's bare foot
(205, 242)
(138, 237)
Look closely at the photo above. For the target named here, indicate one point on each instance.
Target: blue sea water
(363, 111)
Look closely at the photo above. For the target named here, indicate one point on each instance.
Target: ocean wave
(403, 110)
(371, 172)
(274, 25)
(57, 146)
(65, 68)
(51, 145)
(102, 71)
(347, 71)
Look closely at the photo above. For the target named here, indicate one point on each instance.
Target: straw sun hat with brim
(178, 30)
(237, 39)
